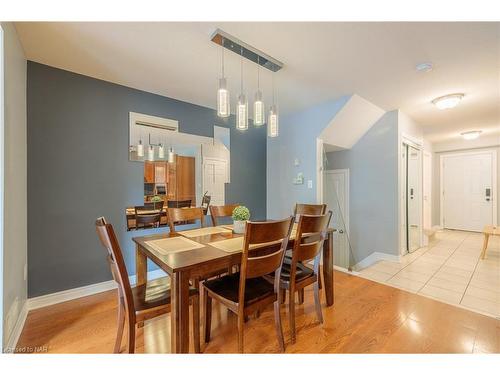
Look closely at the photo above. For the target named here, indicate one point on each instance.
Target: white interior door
(214, 179)
(468, 190)
(336, 197)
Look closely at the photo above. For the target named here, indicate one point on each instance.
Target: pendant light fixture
(242, 106)
(161, 151)
(171, 155)
(258, 105)
(223, 99)
(151, 153)
(273, 120)
(140, 149)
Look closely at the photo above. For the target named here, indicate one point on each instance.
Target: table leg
(179, 317)
(141, 266)
(485, 245)
(328, 268)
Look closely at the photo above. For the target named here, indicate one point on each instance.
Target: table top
(490, 229)
(179, 261)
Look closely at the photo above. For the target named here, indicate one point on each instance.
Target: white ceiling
(323, 61)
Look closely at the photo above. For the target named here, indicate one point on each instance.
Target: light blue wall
(297, 140)
(373, 194)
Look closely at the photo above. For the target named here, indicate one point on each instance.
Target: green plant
(156, 198)
(241, 213)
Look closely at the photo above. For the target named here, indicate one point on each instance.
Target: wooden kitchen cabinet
(149, 172)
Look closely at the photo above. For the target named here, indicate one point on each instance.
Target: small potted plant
(241, 214)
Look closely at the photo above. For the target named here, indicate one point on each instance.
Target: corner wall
(15, 181)
(373, 195)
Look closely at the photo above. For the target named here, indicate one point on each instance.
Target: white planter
(239, 226)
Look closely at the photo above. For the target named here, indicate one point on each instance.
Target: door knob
(341, 231)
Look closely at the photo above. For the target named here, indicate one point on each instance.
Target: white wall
(15, 180)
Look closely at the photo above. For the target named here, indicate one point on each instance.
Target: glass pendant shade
(223, 102)
(161, 152)
(242, 113)
(151, 153)
(171, 155)
(258, 110)
(140, 149)
(272, 122)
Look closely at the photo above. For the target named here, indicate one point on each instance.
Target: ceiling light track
(245, 50)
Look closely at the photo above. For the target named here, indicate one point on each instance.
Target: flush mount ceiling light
(471, 135)
(423, 67)
(448, 101)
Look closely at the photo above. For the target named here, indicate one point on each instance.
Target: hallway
(449, 270)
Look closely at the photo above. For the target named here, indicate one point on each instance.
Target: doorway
(336, 197)
(411, 187)
(468, 190)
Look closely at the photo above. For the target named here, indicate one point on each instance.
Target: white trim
(374, 258)
(494, 177)
(70, 294)
(16, 331)
(417, 144)
(319, 170)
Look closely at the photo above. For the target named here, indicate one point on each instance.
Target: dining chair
(217, 212)
(147, 216)
(309, 209)
(310, 236)
(304, 209)
(142, 302)
(247, 291)
(205, 203)
(183, 215)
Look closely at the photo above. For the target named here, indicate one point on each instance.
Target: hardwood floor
(367, 317)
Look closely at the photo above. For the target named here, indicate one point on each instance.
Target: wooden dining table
(183, 266)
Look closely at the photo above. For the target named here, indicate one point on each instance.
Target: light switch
(309, 184)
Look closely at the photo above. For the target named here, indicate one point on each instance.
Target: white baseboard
(16, 331)
(374, 258)
(67, 295)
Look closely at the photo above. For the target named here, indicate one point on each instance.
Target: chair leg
(283, 296)
(121, 325)
(207, 314)
(277, 323)
(131, 336)
(241, 326)
(317, 303)
(196, 323)
(301, 296)
(291, 313)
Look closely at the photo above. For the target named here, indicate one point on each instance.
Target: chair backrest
(115, 260)
(179, 204)
(310, 236)
(147, 215)
(221, 211)
(253, 263)
(205, 203)
(154, 205)
(309, 209)
(176, 215)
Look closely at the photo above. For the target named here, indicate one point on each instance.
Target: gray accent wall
(14, 175)
(373, 194)
(78, 170)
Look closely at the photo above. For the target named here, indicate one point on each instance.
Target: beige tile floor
(449, 270)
